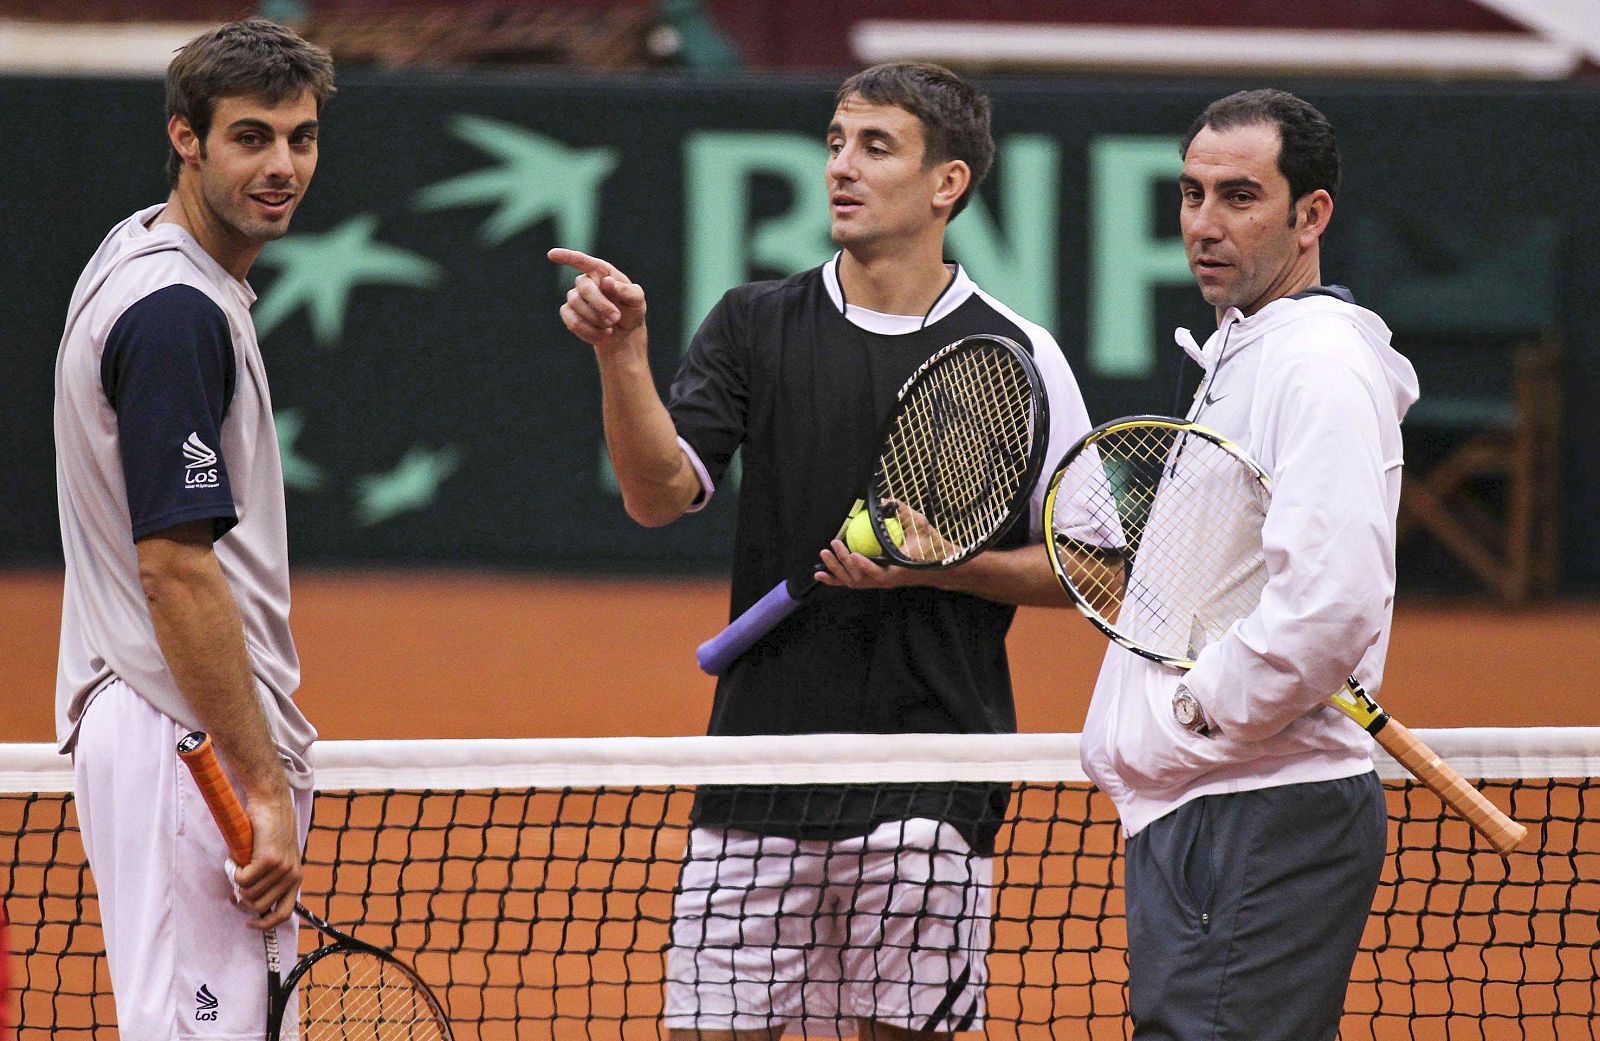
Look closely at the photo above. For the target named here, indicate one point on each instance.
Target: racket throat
(1359, 706)
(276, 998)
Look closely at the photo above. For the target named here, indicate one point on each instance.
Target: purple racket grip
(717, 653)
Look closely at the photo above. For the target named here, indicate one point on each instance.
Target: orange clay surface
(453, 655)
(477, 655)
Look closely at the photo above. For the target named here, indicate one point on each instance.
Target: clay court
(546, 912)
(462, 655)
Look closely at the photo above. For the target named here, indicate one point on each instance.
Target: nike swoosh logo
(1209, 400)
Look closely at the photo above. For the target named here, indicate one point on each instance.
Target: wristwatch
(1186, 710)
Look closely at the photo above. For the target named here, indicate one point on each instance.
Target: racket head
(1156, 534)
(348, 989)
(960, 452)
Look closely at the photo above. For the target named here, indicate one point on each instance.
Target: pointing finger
(583, 262)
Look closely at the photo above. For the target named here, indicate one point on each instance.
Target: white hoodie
(1311, 389)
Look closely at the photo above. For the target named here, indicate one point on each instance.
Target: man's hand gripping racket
(346, 988)
(1156, 535)
(956, 464)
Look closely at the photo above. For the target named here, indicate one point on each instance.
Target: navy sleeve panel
(168, 371)
(709, 400)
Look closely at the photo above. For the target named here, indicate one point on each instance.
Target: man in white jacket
(1256, 825)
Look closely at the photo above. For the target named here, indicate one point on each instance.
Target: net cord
(1478, 752)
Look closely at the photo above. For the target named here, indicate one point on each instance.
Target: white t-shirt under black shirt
(162, 416)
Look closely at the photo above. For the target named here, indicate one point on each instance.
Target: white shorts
(184, 961)
(768, 932)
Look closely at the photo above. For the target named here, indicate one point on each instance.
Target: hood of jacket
(1238, 333)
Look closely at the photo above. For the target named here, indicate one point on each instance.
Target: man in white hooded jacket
(1256, 825)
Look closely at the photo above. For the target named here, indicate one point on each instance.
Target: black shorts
(1245, 911)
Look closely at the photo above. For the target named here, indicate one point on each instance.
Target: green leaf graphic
(299, 473)
(412, 485)
(318, 271)
(538, 177)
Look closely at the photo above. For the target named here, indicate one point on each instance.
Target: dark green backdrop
(436, 412)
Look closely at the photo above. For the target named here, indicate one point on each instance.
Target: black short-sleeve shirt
(778, 370)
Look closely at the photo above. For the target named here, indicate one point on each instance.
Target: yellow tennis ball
(860, 537)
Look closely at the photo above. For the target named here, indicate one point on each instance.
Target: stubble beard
(845, 235)
(232, 212)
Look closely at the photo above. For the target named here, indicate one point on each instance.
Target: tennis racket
(957, 461)
(1159, 544)
(346, 988)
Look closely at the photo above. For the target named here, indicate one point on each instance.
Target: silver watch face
(1185, 708)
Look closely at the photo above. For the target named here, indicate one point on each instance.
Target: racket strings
(359, 995)
(1158, 530)
(958, 453)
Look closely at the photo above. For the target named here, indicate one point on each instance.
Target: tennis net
(531, 883)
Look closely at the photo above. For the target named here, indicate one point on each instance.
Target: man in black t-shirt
(865, 903)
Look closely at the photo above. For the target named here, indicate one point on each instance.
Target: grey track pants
(1245, 911)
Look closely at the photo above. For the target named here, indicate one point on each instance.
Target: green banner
(433, 410)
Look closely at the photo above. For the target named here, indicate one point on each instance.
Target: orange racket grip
(200, 757)
(1503, 833)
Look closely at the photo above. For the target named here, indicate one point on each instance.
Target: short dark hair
(954, 114)
(252, 57)
(1308, 157)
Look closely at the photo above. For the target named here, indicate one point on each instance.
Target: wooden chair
(1509, 444)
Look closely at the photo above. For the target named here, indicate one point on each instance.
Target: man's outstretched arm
(606, 310)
